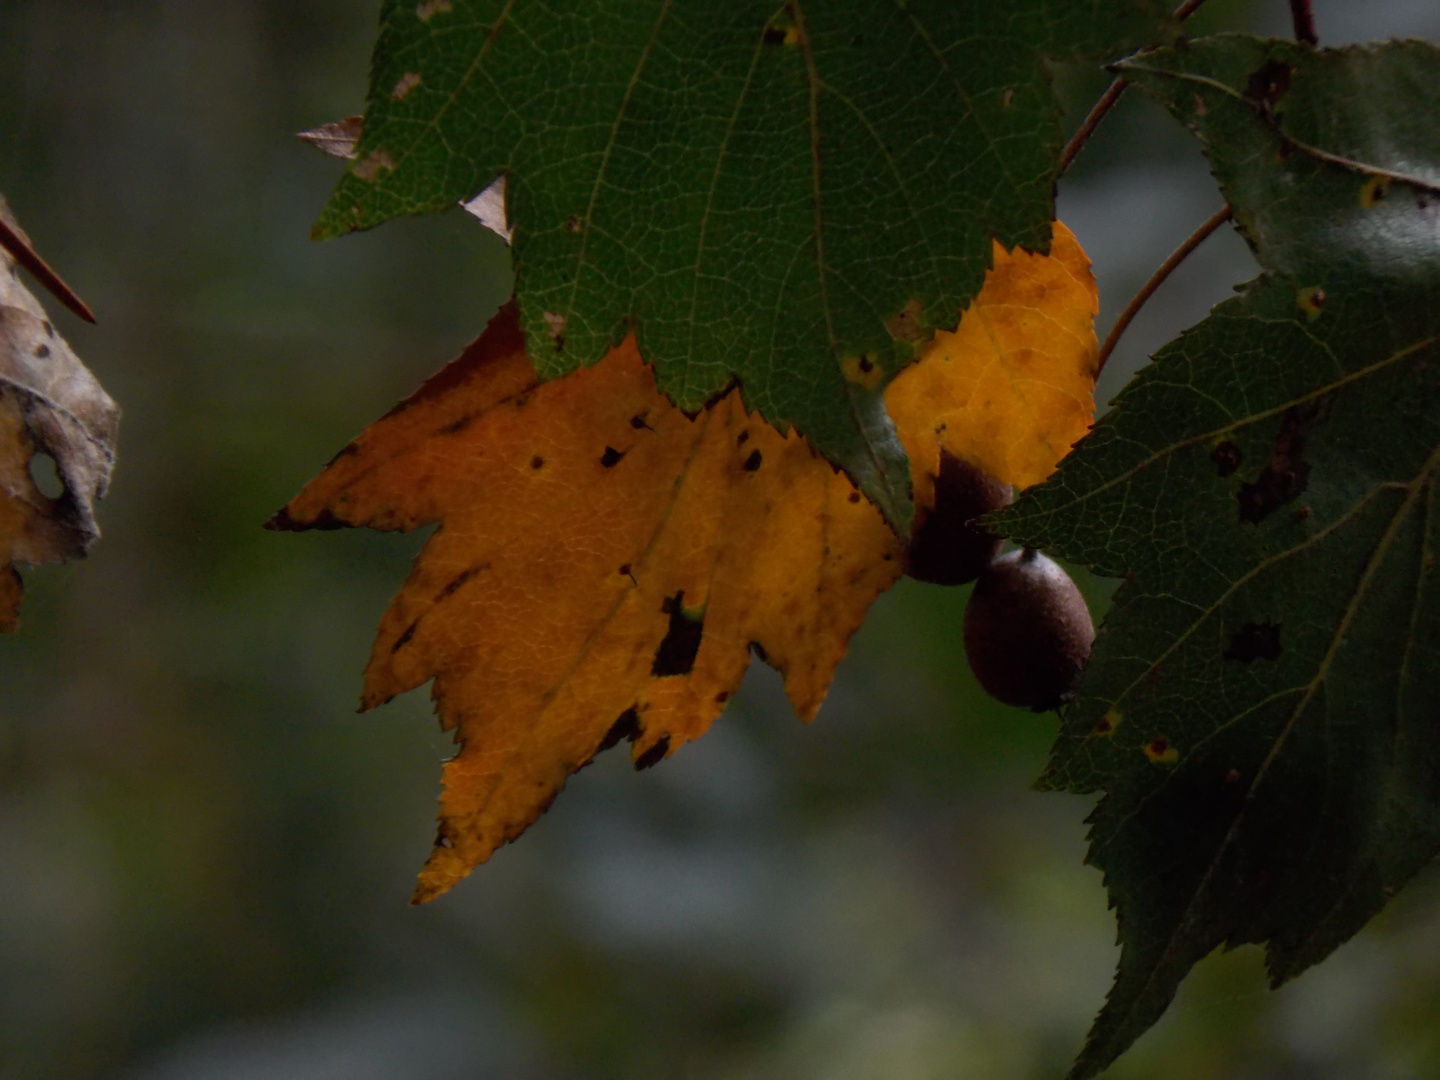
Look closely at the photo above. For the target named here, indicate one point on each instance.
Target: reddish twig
(21, 251)
(1304, 20)
(1109, 98)
(1082, 136)
(1156, 280)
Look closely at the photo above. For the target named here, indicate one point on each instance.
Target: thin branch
(1156, 280)
(1109, 98)
(21, 251)
(1304, 20)
(1082, 136)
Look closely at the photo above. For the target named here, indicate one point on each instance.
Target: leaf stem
(21, 251)
(1112, 95)
(1157, 279)
(1304, 20)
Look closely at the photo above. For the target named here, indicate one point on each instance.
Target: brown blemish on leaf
(373, 164)
(1107, 724)
(1311, 301)
(611, 457)
(905, 325)
(428, 9)
(862, 371)
(1287, 472)
(1227, 458)
(681, 643)
(1373, 191)
(1160, 752)
(404, 85)
(754, 461)
(572, 225)
(1255, 641)
(627, 726)
(654, 755)
(1268, 85)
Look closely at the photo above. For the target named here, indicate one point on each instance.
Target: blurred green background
(206, 855)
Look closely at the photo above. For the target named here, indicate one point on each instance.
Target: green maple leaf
(1262, 711)
(761, 190)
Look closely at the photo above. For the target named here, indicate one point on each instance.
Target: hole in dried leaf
(46, 476)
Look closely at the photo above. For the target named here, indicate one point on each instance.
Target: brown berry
(1027, 631)
(947, 548)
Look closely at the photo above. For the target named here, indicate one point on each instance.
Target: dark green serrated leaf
(1262, 711)
(755, 188)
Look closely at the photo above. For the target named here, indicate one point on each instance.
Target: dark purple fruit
(1027, 631)
(946, 548)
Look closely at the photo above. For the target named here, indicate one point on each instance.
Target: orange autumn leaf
(605, 565)
(1012, 388)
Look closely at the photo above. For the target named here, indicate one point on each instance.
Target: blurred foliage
(207, 855)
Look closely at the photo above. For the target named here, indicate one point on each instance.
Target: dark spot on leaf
(743, 439)
(537, 462)
(1158, 746)
(1226, 457)
(677, 651)
(460, 580)
(722, 697)
(1232, 778)
(572, 224)
(638, 423)
(854, 496)
(1287, 472)
(1268, 85)
(626, 727)
(773, 36)
(456, 426)
(1255, 641)
(404, 639)
(42, 351)
(753, 461)
(611, 457)
(625, 570)
(1103, 726)
(865, 365)
(654, 755)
